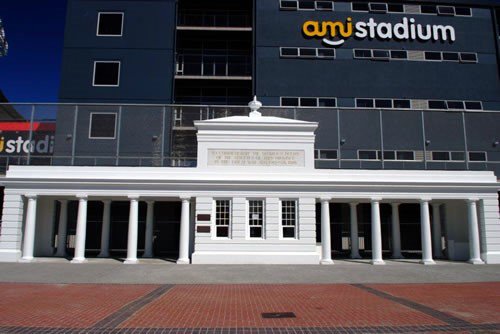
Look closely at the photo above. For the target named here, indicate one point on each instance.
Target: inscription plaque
(283, 158)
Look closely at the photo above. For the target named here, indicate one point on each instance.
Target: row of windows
(320, 53)
(411, 155)
(378, 54)
(377, 7)
(255, 219)
(330, 102)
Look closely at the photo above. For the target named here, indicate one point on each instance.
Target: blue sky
(35, 32)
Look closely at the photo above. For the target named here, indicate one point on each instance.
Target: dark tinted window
(382, 103)
(381, 54)
(306, 4)
(468, 57)
(405, 155)
(458, 156)
(306, 52)
(106, 73)
(288, 4)
(362, 53)
(110, 24)
(455, 104)
(429, 55)
(328, 154)
(473, 105)
(440, 156)
(477, 156)
(290, 101)
(223, 231)
(389, 155)
(399, 54)
(363, 6)
(327, 102)
(102, 125)
(396, 8)
(378, 7)
(364, 103)
(367, 155)
(428, 9)
(308, 102)
(289, 52)
(324, 5)
(446, 10)
(437, 105)
(404, 104)
(463, 11)
(451, 56)
(326, 53)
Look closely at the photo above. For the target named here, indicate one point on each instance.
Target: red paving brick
(472, 302)
(68, 306)
(225, 306)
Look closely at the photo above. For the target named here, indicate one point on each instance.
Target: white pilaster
(425, 230)
(106, 225)
(81, 230)
(148, 243)
(474, 246)
(376, 233)
(133, 229)
(436, 231)
(62, 229)
(354, 231)
(326, 243)
(29, 229)
(396, 232)
(184, 233)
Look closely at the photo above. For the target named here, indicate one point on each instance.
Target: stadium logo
(334, 33)
(22, 145)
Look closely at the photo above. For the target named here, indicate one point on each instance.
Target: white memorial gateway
(251, 199)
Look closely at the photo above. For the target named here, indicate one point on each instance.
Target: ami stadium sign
(334, 33)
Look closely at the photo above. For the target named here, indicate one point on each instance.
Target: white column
(474, 246)
(184, 233)
(29, 229)
(354, 231)
(81, 230)
(62, 229)
(133, 229)
(396, 233)
(425, 231)
(326, 243)
(148, 243)
(436, 231)
(376, 232)
(105, 229)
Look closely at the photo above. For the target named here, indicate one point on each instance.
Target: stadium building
(376, 135)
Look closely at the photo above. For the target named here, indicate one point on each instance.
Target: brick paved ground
(326, 308)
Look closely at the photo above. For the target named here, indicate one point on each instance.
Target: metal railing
(215, 19)
(213, 65)
(164, 135)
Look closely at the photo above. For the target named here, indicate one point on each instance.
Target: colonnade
(81, 229)
(431, 241)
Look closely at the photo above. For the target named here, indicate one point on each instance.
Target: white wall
(489, 228)
(12, 227)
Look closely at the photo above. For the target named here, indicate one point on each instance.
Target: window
(378, 7)
(288, 4)
(455, 105)
(359, 6)
(289, 52)
(362, 53)
(324, 5)
(477, 156)
(102, 126)
(289, 218)
(442, 156)
(457, 156)
(110, 24)
(463, 11)
(306, 4)
(473, 105)
(367, 155)
(450, 56)
(256, 218)
(430, 55)
(326, 53)
(383, 103)
(222, 218)
(325, 154)
(397, 54)
(405, 155)
(395, 8)
(107, 73)
(389, 155)
(434, 104)
(290, 101)
(468, 57)
(307, 52)
(402, 104)
(364, 103)
(308, 102)
(428, 9)
(446, 10)
(381, 54)
(327, 102)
